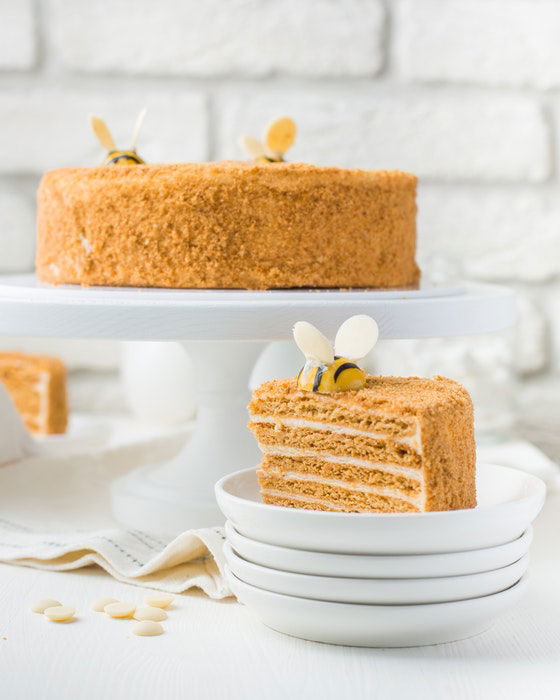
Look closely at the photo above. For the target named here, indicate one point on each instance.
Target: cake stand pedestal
(224, 332)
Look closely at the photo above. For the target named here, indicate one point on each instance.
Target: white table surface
(219, 650)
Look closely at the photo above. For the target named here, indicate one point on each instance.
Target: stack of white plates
(369, 579)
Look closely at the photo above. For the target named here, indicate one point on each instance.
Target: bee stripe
(128, 156)
(318, 377)
(342, 367)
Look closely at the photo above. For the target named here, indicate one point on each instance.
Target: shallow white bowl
(375, 625)
(377, 591)
(302, 561)
(509, 500)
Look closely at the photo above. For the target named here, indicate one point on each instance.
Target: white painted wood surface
(218, 650)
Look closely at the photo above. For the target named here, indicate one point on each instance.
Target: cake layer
(227, 225)
(329, 409)
(282, 465)
(337, 444)
(339, 496)
(411, 441)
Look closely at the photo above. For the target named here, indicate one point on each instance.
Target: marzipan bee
(278, 138)
(327, 371)
(114, 155)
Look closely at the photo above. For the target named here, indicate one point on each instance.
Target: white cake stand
(224, 332)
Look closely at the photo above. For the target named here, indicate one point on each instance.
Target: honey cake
(396, 445)
(244, 225)
(37, 386)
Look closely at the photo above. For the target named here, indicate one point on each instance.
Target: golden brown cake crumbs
(227, 225)
(37, 386)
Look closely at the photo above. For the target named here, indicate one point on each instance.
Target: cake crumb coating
(37, 386)
(227, 225)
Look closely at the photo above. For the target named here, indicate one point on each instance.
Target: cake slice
(396, 445)
(334, 438)
(37, 386)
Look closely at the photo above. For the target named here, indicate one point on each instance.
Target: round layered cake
(227, 225)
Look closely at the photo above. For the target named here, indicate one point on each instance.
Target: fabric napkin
(55, 513)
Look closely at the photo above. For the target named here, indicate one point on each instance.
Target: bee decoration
(327, 370)
(278, 138)
(114, 155)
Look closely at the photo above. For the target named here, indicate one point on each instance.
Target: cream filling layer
(413, 441)
(306, 499)
(362, 488)
(387, 467)
(42, 389)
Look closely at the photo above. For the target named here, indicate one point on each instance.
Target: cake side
(449, 454)
(397, 445)
(37, 386)
(227, 225)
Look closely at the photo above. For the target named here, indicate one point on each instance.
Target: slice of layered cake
(37, 386)
(382, 444)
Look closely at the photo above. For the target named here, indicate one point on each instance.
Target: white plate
(375, 625)
(377, 591)
(302, 561)
(509, 500)
(84, 432)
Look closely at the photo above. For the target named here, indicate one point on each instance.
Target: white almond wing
(280, 135)
(137, 127)
(356, 337)
(252, 147)
(313, 343)
(102, 132)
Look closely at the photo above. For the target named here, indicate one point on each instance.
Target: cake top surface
(388, 394)
(39, 362)
(298, 173)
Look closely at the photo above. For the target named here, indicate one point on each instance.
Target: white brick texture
(46, 129)
(17, 229)
(218, 37)
(491, 42)
(496, 234)
(531, 338)
(483, 138)
(17, 35)
(552, 307)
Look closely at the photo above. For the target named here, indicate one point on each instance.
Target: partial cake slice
(37, 385)
(396, 445)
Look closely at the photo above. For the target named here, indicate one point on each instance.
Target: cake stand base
(177, 496)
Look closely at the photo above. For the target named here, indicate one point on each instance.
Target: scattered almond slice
(147, 628)
(150, 613)
(41, 605)
(120, 609)
(60, 613)
(100, 604)
(159, 600)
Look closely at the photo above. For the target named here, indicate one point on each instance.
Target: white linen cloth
(55, 513)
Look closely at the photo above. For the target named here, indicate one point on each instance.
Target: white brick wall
(17, 35)
(494, 234)
(442, 137)
(46, 128)
(490, 42)
(17, 228)
(218, 37)
(462, 92)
